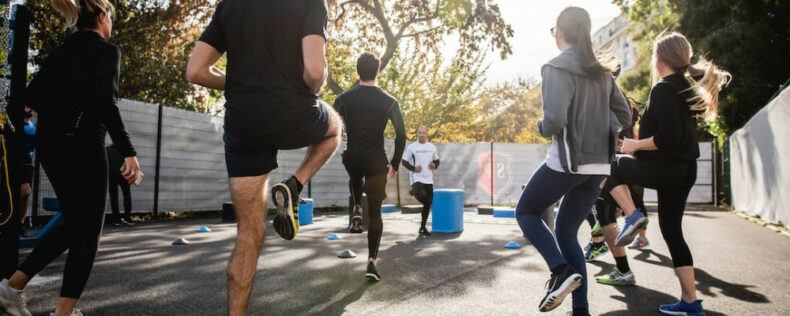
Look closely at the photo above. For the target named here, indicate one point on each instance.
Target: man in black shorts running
(366, 109)
(276, 66)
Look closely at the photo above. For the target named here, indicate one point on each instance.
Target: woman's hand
(629, 146)
(131, 169)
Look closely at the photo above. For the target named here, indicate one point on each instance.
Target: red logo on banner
(502, 174)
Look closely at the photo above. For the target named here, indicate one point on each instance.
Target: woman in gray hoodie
(583, 112)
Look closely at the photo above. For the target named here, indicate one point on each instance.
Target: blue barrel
(305, 212)
(448, 211)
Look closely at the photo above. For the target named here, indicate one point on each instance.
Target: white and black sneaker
(560, 285)
(373, 273)
(286, 198)
(356, 220)
(75, 312)
(12, 301)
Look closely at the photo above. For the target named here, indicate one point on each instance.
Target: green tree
(155, 39)
(511, 111)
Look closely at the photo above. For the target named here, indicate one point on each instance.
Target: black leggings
(371, 179)
(78, 174)
(673, 181)
(424, 193)
(116, 180)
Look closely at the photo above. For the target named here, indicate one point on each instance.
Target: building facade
(614, 37)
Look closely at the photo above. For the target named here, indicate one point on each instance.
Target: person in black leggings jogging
(366, 109)
(75, 94)
(664, 157)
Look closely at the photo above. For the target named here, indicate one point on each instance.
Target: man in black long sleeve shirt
(366, 109)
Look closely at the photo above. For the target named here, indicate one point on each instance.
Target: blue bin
(448, 211)
(305, 212)
(504, 212)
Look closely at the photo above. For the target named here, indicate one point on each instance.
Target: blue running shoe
(682, 308)
(633, 224)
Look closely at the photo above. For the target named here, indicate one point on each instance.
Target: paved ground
(742, 270)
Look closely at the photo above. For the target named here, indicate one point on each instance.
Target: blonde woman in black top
(75, 94)
(664, 157)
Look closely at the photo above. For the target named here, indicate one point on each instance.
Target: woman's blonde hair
(82, 13)
(674, 50)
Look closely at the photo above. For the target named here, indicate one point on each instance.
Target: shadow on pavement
(643, 301)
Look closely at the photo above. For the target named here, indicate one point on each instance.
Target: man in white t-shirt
(422, 158)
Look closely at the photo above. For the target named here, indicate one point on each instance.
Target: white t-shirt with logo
(421, 155)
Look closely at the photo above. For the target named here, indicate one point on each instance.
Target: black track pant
(368, 173)
(78, 173)
(116, 180)
(672, 180)
(424, 193)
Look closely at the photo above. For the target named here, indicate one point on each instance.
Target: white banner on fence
(759, 162)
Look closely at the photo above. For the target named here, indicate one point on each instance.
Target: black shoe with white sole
(373, 273)
(560, 285)
(424, 232)
(356, 220)
(286, 198)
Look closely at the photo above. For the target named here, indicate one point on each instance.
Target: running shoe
(424, 232)
(633, 224)
(126, 222)
(681, 308)
(12, 301)
(597, 231)
(356, 220)
(75, 312)
(286, 199)
(617, 278)
(560, 285)
(373, 273)
(639, 243)
(592, 251)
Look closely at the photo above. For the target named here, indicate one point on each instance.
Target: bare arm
(201, 70)
(315, 64)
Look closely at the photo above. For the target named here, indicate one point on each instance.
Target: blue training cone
(512, 245)
(334, 236)
(204, 229)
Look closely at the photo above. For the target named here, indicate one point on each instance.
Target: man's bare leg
(249, 202)
(622, 195)
(319, 153)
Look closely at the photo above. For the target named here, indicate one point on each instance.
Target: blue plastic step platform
(504, 212)
(388, 208)
(49, 204)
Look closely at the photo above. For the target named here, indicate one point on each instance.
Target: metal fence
(192, 175)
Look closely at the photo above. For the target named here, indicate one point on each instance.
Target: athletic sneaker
(127, 222)
(560, 285)
(597, 231)
(639, 243)
(75, 312)
(356, 220)
(592, 252)
(424, 232)
(682, 308)
(373, 273)
(633, 224)
(617, 278)
(286, 199)
(12, 301)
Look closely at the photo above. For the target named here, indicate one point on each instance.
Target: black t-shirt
(366, 111)
(264, 89)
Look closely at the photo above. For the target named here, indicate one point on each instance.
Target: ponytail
(82, 13)
(575, 24)
(709, 79)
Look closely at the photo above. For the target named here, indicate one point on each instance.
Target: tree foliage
(155, 38)
(510, 113)
(748, 38)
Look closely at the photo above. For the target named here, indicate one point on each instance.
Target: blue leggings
(545, 188)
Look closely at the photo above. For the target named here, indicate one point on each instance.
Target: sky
(532, 43)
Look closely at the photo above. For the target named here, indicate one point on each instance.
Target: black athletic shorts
(255, 155)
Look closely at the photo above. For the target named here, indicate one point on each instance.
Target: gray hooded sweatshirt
(583, 115)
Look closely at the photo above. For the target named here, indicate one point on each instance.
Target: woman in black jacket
(664, 158)
(75, 94)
